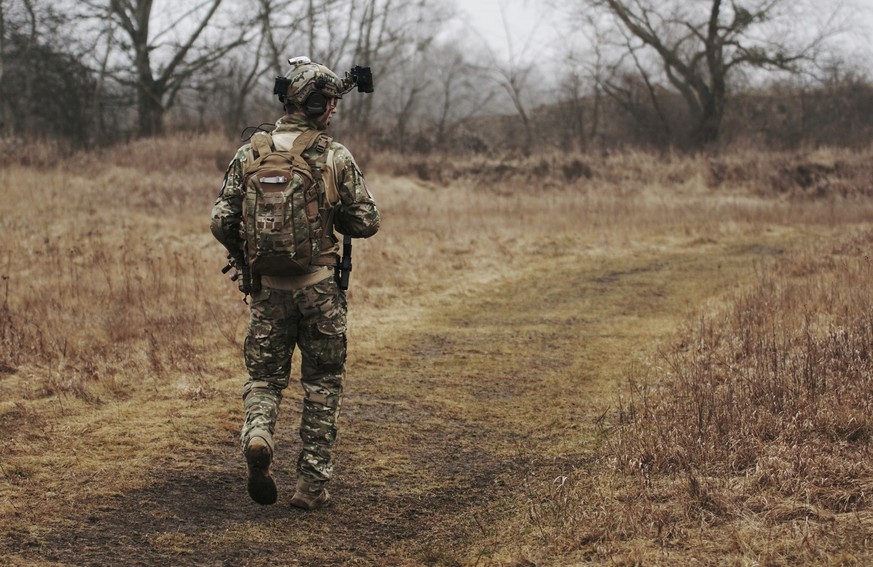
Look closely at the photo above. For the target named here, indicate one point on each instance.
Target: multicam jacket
(355, 214)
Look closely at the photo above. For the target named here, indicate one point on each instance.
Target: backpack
(288, 221)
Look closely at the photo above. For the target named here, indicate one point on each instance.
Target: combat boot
(309, 496)
(259, 458)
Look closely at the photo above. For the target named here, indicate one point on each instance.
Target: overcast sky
(531, 25)
(525, 21)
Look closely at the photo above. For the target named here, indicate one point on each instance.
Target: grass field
(626, 360)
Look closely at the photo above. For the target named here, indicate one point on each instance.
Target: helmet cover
(306, 77)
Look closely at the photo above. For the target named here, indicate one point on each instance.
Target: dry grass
(788, 364)
(746, 438)
(499, 304)
(105, 276)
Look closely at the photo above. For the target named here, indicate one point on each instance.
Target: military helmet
(309, 86)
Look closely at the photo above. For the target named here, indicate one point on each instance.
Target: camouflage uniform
(308, 311)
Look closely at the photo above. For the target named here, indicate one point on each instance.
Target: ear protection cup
(315, 104)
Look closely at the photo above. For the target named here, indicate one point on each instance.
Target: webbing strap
(321, 143)
(331, 192)
(262, 143)
(303, 141)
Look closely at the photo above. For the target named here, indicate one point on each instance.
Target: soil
(426, 516)
(179, 518)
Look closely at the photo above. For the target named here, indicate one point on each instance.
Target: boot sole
(261, 485)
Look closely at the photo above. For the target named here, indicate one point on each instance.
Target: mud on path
(448, 420)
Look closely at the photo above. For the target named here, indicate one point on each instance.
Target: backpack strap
(262, 144)
(322, 163)
(303, 141)
(327, 193)
(331, 191)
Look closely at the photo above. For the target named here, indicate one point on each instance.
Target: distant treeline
(94, 72)
(780, 117)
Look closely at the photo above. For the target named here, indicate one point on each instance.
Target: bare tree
(583, 82)
(305, 27)
(371, 40)
(461, 93)
(640, 96)
(28, 38)
(158, 80)
(106, 38)
(5, 108)
(330, 36)
(44, 88)
(413, 68)
(699, 44)
(385, 35)
(270, 23)
(242, 72)
(513, 76)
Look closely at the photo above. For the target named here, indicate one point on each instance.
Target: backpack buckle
(322, 143)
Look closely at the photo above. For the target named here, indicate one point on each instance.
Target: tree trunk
(149, 95)
(713, 106)
(151, 111)
(709, 124)
(99, 128)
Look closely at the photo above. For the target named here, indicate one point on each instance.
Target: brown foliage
(806, 175)
(759, 410)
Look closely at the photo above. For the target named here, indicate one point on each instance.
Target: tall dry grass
(112, 268)
(485, 216)
(746, 437)
(777, 387)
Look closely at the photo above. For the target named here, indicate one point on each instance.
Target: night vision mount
(361, 77)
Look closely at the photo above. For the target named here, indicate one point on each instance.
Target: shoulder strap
(330, 189)
(323, 164)
(303, 141)
(260, 146)
(321, 142)
(262, 143)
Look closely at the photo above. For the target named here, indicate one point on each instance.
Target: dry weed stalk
(759, 413)
(790, 363)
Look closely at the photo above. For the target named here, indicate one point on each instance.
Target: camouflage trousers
(313, 318)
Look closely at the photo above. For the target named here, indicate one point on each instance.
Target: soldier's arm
(356, 214)
(227, 211)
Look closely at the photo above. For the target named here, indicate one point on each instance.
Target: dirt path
(445, 424)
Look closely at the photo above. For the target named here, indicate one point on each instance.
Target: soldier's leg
(322, 341)
(268, 348)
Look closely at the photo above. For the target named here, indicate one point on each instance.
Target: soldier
(306, 310)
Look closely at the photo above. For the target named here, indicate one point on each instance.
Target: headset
(316, 103)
